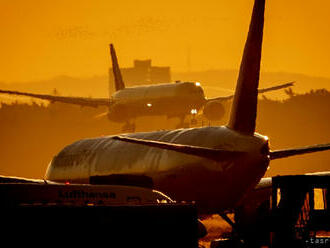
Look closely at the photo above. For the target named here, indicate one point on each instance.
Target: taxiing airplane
(214, 166)
(178, 99)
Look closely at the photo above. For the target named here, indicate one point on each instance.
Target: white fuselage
(214, 185)
(172, 100)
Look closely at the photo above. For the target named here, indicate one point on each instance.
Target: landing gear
(128, 127)
(252, 236)
(235, 241)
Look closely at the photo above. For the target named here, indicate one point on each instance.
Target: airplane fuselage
(214, 185)
(172, 99)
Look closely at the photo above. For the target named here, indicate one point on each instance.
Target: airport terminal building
(142, 73)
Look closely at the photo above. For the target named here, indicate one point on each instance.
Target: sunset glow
(43, 39)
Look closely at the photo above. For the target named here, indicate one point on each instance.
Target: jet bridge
(284, 211)
(300, 211)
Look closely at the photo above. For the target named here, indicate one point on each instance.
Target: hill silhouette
(214, 82)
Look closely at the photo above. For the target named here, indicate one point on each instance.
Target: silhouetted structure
(143, 73)
(296, 216)
(123, 226)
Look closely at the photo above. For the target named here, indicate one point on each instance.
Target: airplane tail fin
(244, 108)
(119, 83)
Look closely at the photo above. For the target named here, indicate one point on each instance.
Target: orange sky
(42, 38)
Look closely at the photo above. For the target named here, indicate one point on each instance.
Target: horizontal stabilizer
(298, 151)
(204, 152)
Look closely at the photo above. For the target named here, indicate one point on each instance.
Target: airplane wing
(82, 101)
(264, 183)
(6, 179)
(260, 91)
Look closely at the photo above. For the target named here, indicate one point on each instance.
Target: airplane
(214, 166)
(177, 99)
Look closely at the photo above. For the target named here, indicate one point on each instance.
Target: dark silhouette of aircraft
(177, 99)
(213, 166)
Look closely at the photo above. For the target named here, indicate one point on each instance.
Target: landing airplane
(213, 166)
(171, 99)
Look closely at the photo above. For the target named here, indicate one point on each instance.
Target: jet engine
(214, 110)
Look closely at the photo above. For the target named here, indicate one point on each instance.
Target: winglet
(119, 83)
(244, 108)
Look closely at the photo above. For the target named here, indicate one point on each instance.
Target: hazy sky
(42, 38)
